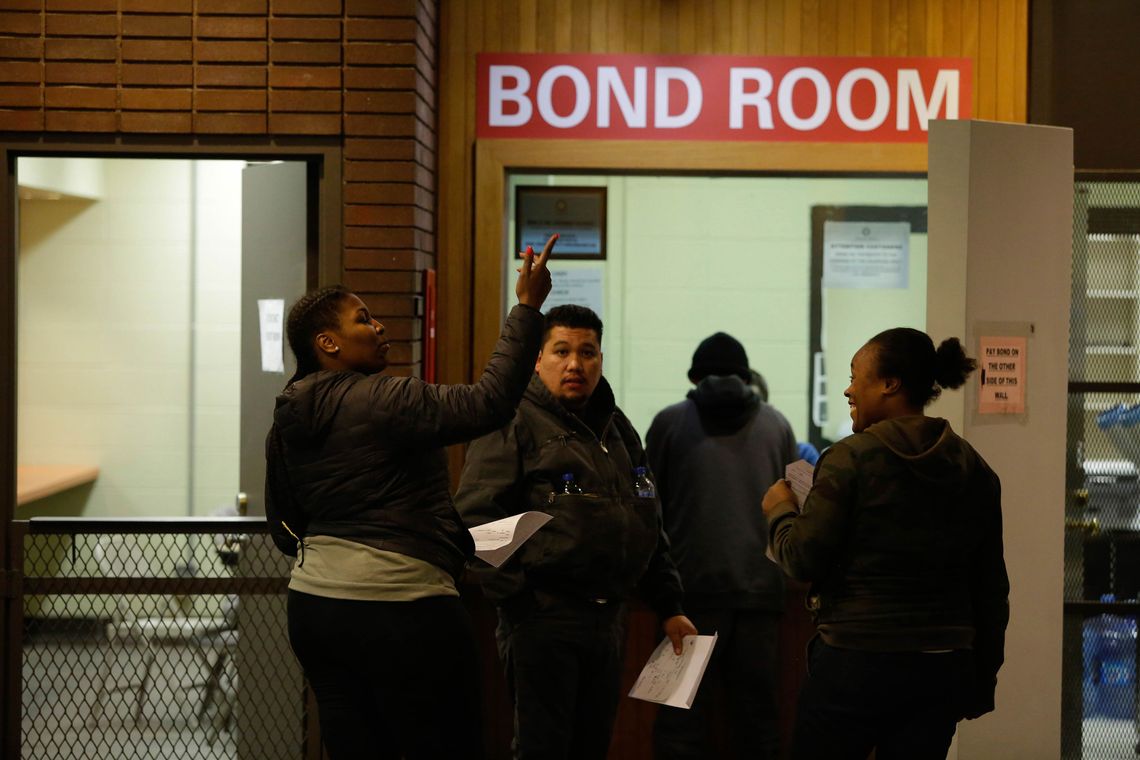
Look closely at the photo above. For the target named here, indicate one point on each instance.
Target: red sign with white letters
(718, 98)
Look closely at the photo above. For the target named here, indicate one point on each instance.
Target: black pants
(563, 658)
(741, 679)
(392, 679)
(904, 705)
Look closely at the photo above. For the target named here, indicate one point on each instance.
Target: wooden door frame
(495, 158)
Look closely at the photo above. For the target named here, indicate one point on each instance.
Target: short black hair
(910, 356)
(314, 312)
(573, 316)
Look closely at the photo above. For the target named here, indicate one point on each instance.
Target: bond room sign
(718, 98)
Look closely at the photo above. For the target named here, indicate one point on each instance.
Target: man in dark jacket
(715, 454)
(570, 452)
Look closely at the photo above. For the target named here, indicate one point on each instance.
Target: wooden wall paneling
(599, 41)
(544, 18)
(951, 27)
(492, 26)
(1006, 53)
(969, 47)
(721, 33)
(577, 23)
(1021, 62)
(561, 23)
(793, 27)
(987, 59)
(898, 35)
(934, 41)
(829, 28)
(651, 26)
(686, 23)
(757, 28)
(916, 28)
(809, 27)
(528, 20)
(616, 35)
(634, 29)
(864, 43)
(774, 14)
(880, 27)
(738, 21)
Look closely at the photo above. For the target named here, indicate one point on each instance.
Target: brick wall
(360, 70)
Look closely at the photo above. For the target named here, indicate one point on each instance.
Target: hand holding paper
(671, 679)
(799, 475)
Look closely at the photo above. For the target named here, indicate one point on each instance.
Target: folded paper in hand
(672, 679)
(496, 541)
(799, 474)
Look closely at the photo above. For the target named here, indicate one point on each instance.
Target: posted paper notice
(866, 254)
(1003, 363)
(496, 541)
(672, 679)
(271, 318)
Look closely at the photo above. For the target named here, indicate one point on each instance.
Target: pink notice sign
(1001, 379)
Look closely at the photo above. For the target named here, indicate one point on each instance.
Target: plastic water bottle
(642, 485)
(570, 485)
(1110, 665)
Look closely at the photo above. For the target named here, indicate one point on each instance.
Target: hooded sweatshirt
(715, 454)
(361, 457)
(901, 539)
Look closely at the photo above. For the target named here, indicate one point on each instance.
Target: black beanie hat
(719, 354)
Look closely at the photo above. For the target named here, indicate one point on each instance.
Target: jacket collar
(601, 405)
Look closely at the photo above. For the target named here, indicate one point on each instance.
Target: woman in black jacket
(357, 490)
(901, 539)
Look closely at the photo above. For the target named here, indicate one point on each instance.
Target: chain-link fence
(157, 640)
(1102, 536)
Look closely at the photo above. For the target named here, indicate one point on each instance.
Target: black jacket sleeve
(281, 512)
(989, 590)
(806, 545)
(441, 415)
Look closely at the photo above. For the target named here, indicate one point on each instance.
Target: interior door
(276, 245)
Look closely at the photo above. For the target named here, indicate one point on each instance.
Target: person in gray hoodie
(357, 489)
(901, 539)
(715, 454)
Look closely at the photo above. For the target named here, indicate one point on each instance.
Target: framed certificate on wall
(577, 214)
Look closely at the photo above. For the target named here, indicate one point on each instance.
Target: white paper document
(496, 541)
(800, 474)
(672, 679)
(271, 315)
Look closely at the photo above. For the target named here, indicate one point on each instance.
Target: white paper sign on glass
(582, 286)
(271, 317)
(672, 679)
(866, 254)
(496, 541)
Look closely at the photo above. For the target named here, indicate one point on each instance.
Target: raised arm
(440, 415)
